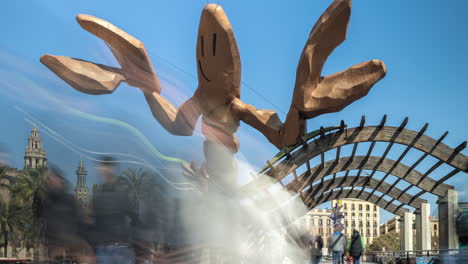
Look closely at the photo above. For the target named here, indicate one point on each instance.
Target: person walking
(61, 219)
(337, 243)
(356, 247)
(112, 209)
(316, 250)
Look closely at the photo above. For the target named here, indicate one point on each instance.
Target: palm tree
(140, 184)
(13, 219)
(30, 185)
(15, 242)
(30, 190)
(28, 239)
(5, 181)
(143, 187)
(3, 175)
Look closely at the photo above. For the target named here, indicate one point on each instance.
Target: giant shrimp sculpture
(217, 98)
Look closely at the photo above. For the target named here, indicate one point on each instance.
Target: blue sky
(423, 44)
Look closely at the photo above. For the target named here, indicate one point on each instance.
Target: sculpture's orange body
(217, 97)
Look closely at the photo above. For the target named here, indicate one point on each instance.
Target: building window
(353, 207)
(320, 222)
(435, 227)
(352, 215)
(360, 223)
(368, 215)
(375, 215)
(345, 214)
(321, 231)
(360, 215)
(328, 222)
(375, 224)
(367, 207)
(353, 224)
(345, 206)
(375, 207)
(375, 232)
(360, 207)
(328, 231)
(346, 222)
(368, 224)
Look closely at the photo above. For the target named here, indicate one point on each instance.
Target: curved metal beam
(368, 163)
(357, 194)
(397, 135)
(361, 181)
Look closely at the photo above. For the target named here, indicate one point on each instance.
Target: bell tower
(34, 156)
(81, 189)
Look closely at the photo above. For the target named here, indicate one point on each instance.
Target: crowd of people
(105, 235)
(339, 247)
(107, 232)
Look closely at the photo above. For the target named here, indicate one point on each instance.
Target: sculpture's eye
(214, 44)
(202, 46)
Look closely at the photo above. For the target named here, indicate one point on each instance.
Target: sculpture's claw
(84, 76)
(129, 52)
(339, 90)
(315, 95)
(93, 78)
(328, 32)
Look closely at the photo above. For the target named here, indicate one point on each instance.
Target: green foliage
(13, 219)
(389, 241)
(28, 192)
(3, 176)
(31, 184)
(141, 185)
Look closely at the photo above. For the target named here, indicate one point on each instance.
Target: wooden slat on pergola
(313, 190)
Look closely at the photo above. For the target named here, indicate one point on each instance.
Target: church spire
(81, 189)
(35, 156)
(81, 173)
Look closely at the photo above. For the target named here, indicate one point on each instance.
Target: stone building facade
(319, 223)
(393, 225)
(35, 155)
(362, 216)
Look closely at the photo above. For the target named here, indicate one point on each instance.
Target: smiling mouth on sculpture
(200, 67)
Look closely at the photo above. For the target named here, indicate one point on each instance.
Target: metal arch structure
(347, 164)
(357, 194)
(316, 143)
(309, 196)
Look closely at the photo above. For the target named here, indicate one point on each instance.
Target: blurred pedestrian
(113, 216)
(61, 219)
(356, 247)
(337, 243)
(316, 250)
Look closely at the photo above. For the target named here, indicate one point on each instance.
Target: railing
(433, 256)
(14, 261)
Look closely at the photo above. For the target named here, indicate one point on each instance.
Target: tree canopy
(389, 242)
